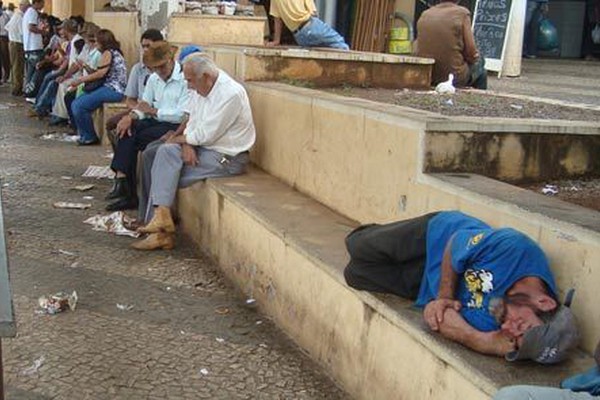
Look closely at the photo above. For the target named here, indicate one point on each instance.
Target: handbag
(93, 85)
(98, 83)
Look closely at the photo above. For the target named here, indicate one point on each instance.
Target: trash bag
(547, 36)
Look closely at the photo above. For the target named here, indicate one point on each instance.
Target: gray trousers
(524, 392)
(163, 172)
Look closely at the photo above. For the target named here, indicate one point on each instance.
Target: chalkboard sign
(490, 28)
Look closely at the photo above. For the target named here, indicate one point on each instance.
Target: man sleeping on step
(489, 289)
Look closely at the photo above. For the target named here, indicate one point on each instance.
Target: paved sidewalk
(574, 81)
(189, 335)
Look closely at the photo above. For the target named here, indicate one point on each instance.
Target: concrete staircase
(325, 164)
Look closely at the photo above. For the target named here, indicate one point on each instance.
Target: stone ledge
(562, 212)
(287, 251)
(435, 122)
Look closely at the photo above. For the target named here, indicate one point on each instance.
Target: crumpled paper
(61, 137)
(112, 223)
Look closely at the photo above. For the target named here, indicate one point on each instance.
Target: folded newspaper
(98, 172)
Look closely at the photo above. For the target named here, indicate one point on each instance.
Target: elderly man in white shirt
(213, 142)
(14, 27)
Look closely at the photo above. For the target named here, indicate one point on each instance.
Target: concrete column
(155, 13)
(514, 43)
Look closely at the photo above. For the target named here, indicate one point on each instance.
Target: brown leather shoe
(156, 241)
(161, 222)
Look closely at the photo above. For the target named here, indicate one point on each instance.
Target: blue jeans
(31, 59)
(83, 107)
(317, 33)
(47, 93)
(532, 26)
(478, 78)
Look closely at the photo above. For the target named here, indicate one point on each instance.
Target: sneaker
(30, 100)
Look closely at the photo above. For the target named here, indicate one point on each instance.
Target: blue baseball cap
(187, 50)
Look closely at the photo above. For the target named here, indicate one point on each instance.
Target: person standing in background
(535, 9)
(592, 19)
(15, 46)
(33, 43)
(4, 51)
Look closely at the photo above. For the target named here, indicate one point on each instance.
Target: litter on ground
(58, 302)
(71, 206)
(112, 223)
(34, 367)
(98, 172)
(61, 137)
(83, 188)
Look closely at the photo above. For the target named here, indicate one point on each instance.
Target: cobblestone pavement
(574, 81)
(189, 335)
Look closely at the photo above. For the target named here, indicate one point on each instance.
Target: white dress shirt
(221, 121)
(169, 97)
(31, 41)
(15, 27)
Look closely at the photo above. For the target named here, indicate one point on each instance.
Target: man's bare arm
(455, 328)
(434, 311)
(277, 28)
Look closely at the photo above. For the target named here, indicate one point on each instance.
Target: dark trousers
(532, 29)
(4, 58)
(144, 132)
(388, 258)
(478, 78)
(69, 99)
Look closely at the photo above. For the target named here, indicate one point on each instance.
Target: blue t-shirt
(488, 261)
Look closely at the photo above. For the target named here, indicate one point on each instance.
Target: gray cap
(551, 342)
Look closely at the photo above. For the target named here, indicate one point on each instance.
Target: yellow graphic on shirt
(475, 240)
(478, 283)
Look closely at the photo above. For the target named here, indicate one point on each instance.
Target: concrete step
(287, 251)
(315, 67)
(366, 160)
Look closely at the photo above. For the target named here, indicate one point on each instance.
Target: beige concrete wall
(208, 29)
(126, 29)
(513, 157)
(364, 160)
(367, 354)
(66, 8)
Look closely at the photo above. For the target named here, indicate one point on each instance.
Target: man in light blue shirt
(160, 110)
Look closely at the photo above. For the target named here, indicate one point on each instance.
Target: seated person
(161, 110)
(213, 142)
(47, 94)
(113, 73)
(138, 77)
(488, 289)
(584, 386)
(445, 34)
(50, 63)
(300, 17)
(86, 62)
